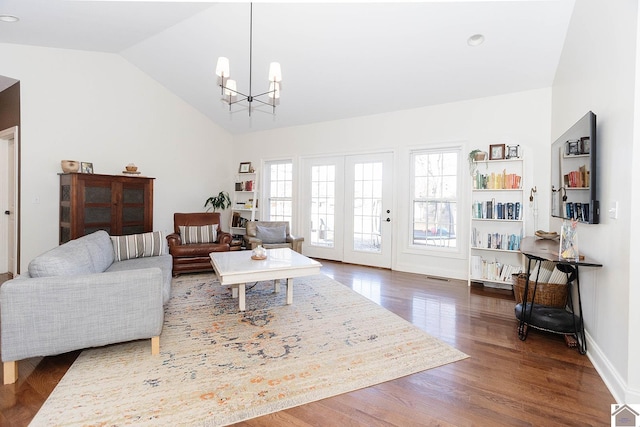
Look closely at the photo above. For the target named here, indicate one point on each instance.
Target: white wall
(597, 72)
(519, 118)
(98, 107)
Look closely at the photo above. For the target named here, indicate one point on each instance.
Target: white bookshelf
(497, 222)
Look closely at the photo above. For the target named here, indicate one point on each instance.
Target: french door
(347, 202)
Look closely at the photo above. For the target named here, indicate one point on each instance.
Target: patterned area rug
(218, 366)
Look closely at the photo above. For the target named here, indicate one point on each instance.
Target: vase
(69, 166)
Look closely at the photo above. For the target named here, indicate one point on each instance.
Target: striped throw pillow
(198, 234)
(137, 245)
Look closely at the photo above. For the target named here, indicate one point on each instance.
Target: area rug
(218, 366)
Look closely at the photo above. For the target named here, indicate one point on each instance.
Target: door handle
(7, 212)
(388, 220)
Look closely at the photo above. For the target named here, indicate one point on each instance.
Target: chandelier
(228, 87)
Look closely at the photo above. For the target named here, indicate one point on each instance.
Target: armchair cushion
(276, 234)
(198, 233)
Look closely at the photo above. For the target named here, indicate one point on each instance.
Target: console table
(564, 320)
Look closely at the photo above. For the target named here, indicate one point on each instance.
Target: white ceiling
(339, 60)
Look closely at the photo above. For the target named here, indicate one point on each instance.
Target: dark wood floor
(505, 382)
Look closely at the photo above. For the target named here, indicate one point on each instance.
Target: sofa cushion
(69, 259)
(100, 250)
(198, 233)
(163, 262)
(277, 234)
(137, 245)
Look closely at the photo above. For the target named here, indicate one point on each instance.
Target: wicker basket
(549, 294)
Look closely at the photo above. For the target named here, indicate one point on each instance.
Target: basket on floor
(549, 294)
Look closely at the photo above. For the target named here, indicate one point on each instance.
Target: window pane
(280, 196)
(367, 202)
(435, 186)
(322, 205)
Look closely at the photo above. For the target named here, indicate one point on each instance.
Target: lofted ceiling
(339, 60)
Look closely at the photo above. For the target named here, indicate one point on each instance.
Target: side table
(566, 320)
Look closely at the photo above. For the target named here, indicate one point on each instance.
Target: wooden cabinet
(118, 204)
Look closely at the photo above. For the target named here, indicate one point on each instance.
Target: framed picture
(496, 151)
(86, 167)
(585, 143)
(245, 167)
(572, 147)
(513, 151)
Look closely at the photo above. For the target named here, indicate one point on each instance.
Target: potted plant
(221, 201)
(476, 156)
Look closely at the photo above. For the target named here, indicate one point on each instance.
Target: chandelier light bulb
(222, 67)
(274, 90)
(275, 73)
(230, 88)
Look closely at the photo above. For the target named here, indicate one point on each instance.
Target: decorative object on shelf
(222, 201)
(549, 235)
(86, 167)
(496, 151)
(569, 241)
(131, 169)
(474, 157)
(245, 167)
(513, 152)
(69, 166)
(229, 88)
(259, 253)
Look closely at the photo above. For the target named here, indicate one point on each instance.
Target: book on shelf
(497, 271)
(497, 181)
(501, 241)
(577, 178)
(490, 209)
(576, 210)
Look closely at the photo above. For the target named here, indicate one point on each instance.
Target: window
(279, 187)
(434, 197)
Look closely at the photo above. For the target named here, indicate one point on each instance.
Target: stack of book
(501, 210)
(497, 181)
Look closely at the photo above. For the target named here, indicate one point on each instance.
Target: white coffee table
(236, 268)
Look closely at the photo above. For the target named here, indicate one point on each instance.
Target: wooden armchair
(271, 235)
(195, 236)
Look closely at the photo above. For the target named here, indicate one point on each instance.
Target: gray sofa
(78, 295)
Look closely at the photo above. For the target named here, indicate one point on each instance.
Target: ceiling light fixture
(9, 18)
(475, 40)
(229, 91)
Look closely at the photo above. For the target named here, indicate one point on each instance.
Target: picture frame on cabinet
(245, 167)
(496, 151)
(86, 167)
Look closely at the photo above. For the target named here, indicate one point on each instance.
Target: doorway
(347, 202)
(9, 202)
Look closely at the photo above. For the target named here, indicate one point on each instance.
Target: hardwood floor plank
(505, 382)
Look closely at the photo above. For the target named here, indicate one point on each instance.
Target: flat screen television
(574, 174)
